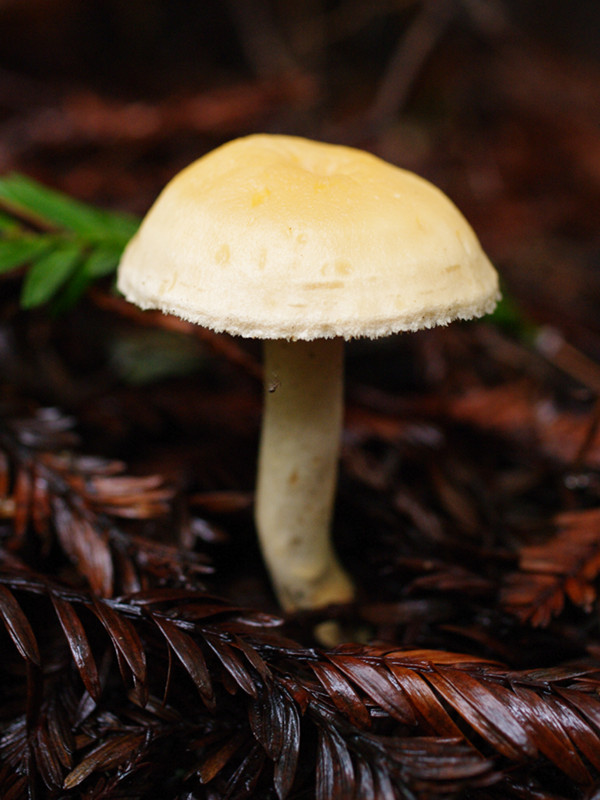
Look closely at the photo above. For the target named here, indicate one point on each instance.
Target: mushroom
(304, 244)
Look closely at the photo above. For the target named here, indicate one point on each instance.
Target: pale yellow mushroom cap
(282, 237)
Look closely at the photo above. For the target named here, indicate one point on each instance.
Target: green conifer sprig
(65, 244)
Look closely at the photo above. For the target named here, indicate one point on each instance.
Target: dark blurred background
(497, 101)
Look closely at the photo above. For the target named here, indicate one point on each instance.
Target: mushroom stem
(297, 471)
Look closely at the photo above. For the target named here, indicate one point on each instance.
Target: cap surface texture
(277, 237)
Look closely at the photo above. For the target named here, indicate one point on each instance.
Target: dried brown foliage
(564, 566)
(378, 718)
(73, 501)
(126, 673)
